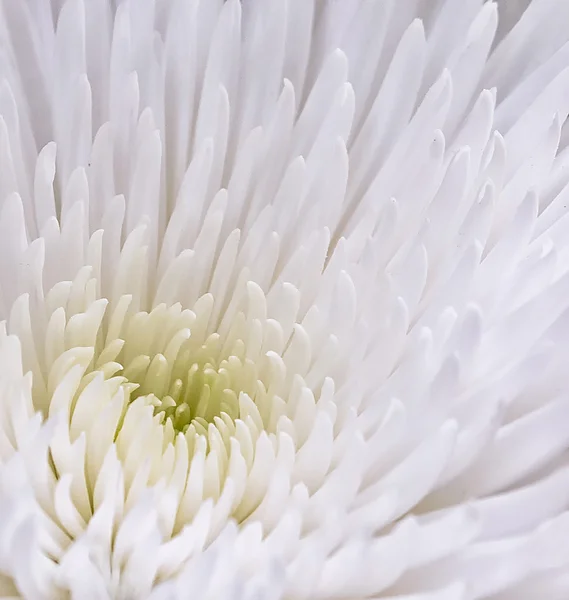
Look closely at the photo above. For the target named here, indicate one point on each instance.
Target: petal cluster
(284, 290)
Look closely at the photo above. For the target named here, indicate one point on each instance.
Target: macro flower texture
(284, 300)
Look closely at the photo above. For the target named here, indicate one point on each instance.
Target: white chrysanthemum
(285, 298)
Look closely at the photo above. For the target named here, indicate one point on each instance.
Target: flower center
(210, 405)
(189, 388)
(188, 376)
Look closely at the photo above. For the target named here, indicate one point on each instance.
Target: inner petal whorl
(206, 405)
(186, 380)
(188, 374)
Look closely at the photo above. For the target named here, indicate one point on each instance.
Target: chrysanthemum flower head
(284, 291)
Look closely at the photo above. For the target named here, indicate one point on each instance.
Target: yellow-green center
(190, 390)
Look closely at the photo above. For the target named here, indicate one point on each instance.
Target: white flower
(285, 299)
